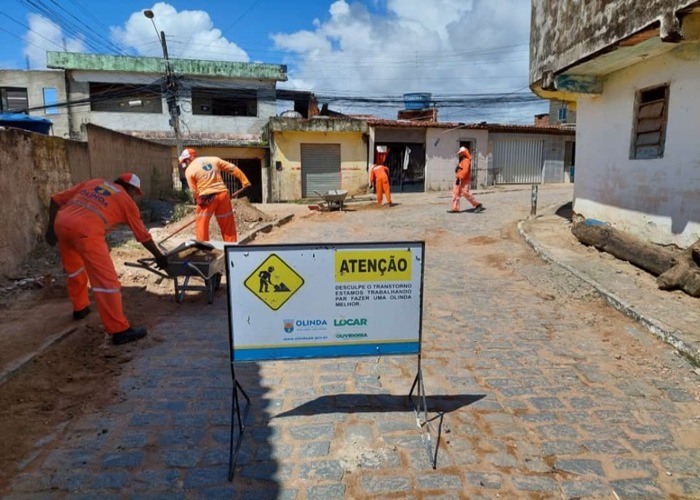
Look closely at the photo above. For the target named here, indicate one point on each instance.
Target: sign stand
(236, 418)
(331, 300)
(422, 407)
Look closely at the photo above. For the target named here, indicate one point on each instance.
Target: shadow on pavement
(364, 403)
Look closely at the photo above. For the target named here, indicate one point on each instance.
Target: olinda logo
(288, 325)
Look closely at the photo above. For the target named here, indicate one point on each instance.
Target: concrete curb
(666, 334)
(17, 365)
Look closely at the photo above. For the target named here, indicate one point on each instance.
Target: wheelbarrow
(335, 199)
(191, 259)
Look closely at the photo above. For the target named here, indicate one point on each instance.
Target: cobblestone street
(544, 390)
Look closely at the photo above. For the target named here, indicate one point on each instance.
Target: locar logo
(101, 190)
(350, 322)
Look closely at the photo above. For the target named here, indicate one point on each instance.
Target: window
(562, 113)
(50, 98)
(117, 97)
(13, 100)
(243, 102)
(650, 123)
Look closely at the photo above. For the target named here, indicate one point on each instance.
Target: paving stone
(557, 432)
(315, 449)
(539, 417)
(654, 445)
(439, 481)
(270, 471)
(359, 432)
(546, 403)
(156, 479)
(310, 432)
(580, 466)
(645, 466)
(327, 470)
(181, 457)
(485, 479)
(326, 492)
(378, 485)
(534, 483)
(274, 451)
(690, 486)
(110, 480)
(123, 459)
(585, 488)
(607, 446)
(641, 488)
(205, 477)
(683, 464)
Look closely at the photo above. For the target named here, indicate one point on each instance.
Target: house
(35, 93)
(423, 154)
(222, 107)
(310, 156)
(632, 73)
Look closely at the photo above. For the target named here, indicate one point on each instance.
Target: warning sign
(274, 282)
(373, 265)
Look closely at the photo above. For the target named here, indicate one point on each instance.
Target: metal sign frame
(239, 412)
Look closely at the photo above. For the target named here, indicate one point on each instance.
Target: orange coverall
(204, 178)
(379, 176)
(463, 180)
(87, 211)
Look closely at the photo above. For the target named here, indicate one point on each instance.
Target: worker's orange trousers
(460, 190)
(220, 207)
(382, 188)
(85, 255)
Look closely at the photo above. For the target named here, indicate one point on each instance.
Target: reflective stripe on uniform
(88, 207)
(74, 274)
(221, 216)
(106, 290)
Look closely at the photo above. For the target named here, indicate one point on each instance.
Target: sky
(358, 56)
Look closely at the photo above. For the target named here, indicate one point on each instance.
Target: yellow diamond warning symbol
(274, 282)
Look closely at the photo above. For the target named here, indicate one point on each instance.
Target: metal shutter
(517, 160)
(320, 168)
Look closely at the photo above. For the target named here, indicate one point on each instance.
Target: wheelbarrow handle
(146, 264)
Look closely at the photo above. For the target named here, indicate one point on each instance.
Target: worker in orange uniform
(79, 219)
(463, 180)
(210, 192)
(379, 176)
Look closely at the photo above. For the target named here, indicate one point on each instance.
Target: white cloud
(442, 46)
(44, 35)
(190, 34)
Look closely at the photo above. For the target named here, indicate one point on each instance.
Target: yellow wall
(286, 148)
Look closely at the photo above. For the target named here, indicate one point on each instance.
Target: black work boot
(128, 335)
(479, 208)
(78, 315)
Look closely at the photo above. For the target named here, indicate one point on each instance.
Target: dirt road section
(52, 368)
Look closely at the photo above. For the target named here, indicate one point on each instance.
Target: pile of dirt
(245, 212)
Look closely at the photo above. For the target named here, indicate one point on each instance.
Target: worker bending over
(79, 219)
(210, 192)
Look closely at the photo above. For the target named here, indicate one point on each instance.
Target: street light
(171, 87)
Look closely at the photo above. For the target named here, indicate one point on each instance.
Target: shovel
(160, 243)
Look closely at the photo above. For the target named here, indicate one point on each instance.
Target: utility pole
(172, 89)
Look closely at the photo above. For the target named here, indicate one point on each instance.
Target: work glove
(203, 201)
(456, 182)
(162, 262)
(50, 237)
(457, 169)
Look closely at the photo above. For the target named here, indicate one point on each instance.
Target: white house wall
(441, 156)
(242, 126)
(656, 199)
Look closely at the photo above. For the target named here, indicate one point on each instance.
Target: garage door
(517, 160)
(320, 168)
